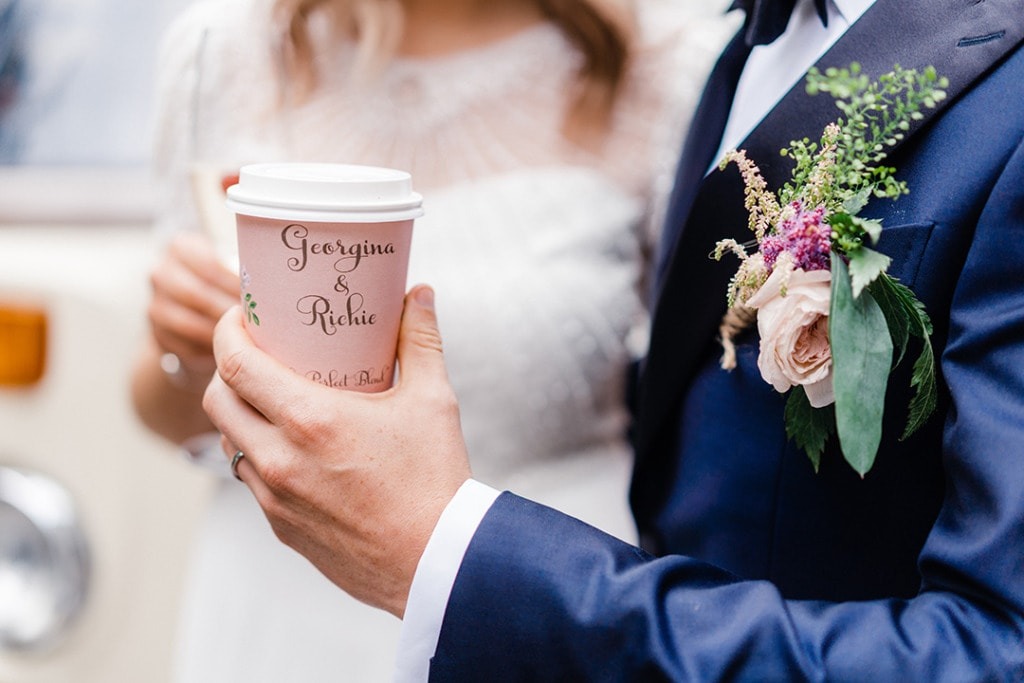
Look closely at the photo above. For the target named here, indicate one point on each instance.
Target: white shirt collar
(850, 10)
(773, 69)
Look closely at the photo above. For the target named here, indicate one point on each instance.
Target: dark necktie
(767, 19)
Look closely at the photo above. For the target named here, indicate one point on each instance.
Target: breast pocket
(905, 245)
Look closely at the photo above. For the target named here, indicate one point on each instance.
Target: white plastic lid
(325, 193)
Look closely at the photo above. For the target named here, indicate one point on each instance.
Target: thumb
(420, 354)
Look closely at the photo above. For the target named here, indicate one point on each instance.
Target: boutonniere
(833, 324)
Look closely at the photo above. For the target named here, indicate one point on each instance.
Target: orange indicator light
(22, 345)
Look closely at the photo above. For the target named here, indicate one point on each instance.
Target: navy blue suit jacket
(754, 567)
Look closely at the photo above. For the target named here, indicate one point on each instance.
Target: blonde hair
(602, 31)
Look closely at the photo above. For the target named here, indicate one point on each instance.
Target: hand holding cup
(353, 481)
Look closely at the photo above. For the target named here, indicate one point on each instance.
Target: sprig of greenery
(250, 310)
(844, 169)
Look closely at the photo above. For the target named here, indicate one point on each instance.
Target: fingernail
(425, 297)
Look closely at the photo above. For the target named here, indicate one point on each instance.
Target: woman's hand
(355, 482)
(191, 291)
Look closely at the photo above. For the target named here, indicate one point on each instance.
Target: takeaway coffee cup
(323, 254)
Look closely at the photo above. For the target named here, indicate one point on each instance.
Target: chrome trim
(44, 561)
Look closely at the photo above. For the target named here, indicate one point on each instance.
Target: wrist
(184, 376)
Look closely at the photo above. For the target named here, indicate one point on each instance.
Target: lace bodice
(536, 246)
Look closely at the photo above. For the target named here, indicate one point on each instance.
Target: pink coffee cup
(323, 255)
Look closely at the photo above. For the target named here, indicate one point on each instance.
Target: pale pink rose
(794, 332)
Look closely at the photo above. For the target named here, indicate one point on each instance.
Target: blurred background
(96, 515)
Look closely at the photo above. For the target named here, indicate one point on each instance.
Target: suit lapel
(962, 39)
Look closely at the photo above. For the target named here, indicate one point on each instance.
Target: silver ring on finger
(234, 464)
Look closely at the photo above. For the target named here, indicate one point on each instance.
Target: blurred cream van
(96, 514)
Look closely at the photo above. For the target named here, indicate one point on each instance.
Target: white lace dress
(536, 249)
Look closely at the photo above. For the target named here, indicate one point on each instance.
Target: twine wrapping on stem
(735, 320)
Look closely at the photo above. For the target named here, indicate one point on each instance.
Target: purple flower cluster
(804, 235)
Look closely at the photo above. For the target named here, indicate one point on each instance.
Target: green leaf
(895, 312)
(865, 266)
(925, 397)
(857, 201)
(861, 361)
(872, 227)
(808, 427)
(908, 311)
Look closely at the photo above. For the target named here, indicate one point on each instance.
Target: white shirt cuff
(435, 578)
